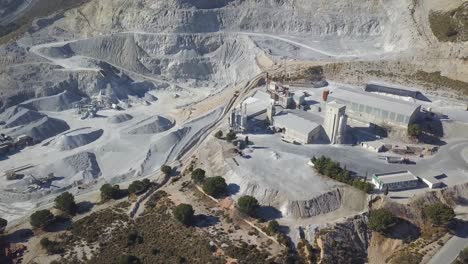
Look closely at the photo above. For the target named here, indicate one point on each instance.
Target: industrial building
(335, 122)
(432, 182)
(399, 180)
(282, 96)
(374, 146)
(376, 109)
(297, 129)
(381, 88)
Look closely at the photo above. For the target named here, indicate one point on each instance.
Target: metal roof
(294, 122)
(375, 101)
(398, 176)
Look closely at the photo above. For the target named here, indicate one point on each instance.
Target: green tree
(139, 187)
(198, 175)
(215, 186)
(41, 219)
(166, 169)
(219, 134)
(66, 203)
(380, 220)
(3, 224)
(439, 213)
(273, 227)
(230, 136)
(108, 192)
(184, 213)
(248, 205)
(386, 191)
(414, 130)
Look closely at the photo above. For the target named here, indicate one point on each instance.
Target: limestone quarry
(108, 91)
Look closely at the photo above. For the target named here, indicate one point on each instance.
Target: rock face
(346, 242)
(322, 204)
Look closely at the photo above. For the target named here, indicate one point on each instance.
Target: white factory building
(297, 129)
(399, 180)
(376, 109)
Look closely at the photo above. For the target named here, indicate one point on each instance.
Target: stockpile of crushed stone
(41, 129)
(22, 116)
(120, 118)
(77, 138)
(84, 163)
(160, 151)
(59, 102)
(150, 98)
(152, 125)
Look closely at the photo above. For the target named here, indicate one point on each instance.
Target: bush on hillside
(184, 213)
(439, 213)
(52, 247)
(273, 227)
(215, 186)
(138, 187)
(109, 192)
(166, 169)
(66, 203)
(380, 220)
(41, 219)
(219, 134)
(198, 175)
(248, 205)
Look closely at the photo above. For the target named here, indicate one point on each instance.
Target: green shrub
(184, 213)
(52, 247)
(248, 205)
(219, 134)
(134, 238)
(41, 219)
(215, 186)
(439, 213)
(380, 219)
(129, 259)
(273, 227)
(139, 187)
(111, 192)
(198, 175)
(66, 203)
(332, 169)
(230, 136)
(166, 169)
(414, 130)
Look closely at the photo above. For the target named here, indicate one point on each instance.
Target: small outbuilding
(374, 146)
(432, 182)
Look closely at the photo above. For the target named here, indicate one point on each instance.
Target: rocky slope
(197, 43)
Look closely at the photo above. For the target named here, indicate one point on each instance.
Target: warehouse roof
(376, 101)
(257, 104)
(398, 176)
(294, 122)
